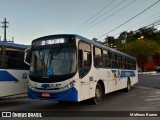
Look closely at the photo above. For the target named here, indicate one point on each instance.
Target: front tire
(98, 94)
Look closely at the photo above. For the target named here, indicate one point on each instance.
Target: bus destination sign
(50, 42)
(53, 41)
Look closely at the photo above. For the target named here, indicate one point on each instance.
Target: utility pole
(4, 25)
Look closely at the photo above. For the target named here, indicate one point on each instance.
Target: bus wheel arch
(103, 87)
(99, 92)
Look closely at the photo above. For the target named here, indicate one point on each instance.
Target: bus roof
(14, 45)
(89, 41)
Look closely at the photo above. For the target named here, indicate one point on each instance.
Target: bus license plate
(46, 95)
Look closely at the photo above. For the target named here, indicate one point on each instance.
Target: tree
(95, 39)
(141, 49)
(150, 33)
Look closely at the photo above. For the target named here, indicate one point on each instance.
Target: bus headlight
(30, 87)
(70, 85)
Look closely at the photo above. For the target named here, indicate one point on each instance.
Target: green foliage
(95, 39)
(142, 49)
(149, 33)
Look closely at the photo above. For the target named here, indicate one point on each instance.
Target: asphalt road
(144, 96)
(150, 80)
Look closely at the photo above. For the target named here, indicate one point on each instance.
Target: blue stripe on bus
(6, 76)
(127, 74)
(14, 45)
(122, 73)
(68, 95)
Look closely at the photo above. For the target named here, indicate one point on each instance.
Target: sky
(31, 19)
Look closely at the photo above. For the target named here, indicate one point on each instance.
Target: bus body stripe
(6, 76)
(122, 73)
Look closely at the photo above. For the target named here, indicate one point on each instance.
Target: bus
(68, 67)
(13, 70)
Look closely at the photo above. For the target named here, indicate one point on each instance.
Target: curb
(19, 96)
(152, 72)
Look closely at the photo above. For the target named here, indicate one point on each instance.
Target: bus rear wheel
(128, 89)
(98, 94)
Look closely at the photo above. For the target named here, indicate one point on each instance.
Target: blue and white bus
(13, 70)
(69, 67)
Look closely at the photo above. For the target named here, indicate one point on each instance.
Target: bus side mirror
(27, 56)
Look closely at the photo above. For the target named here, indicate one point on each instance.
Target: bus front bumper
(68, 95)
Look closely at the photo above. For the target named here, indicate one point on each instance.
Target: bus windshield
(55, 60)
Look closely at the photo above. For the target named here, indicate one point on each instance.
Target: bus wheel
(98, 94)
(128, 89)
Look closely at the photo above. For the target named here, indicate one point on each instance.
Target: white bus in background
(73, 68)
(13, 70)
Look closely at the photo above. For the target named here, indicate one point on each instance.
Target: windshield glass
(56, 60)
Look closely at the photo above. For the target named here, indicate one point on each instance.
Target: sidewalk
(151, 72)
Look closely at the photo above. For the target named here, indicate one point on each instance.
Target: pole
(4, 23)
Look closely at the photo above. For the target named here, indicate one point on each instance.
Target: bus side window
(84, 59)
(106, 57)
(80, 58)
(114, 60)
(124, 63)
(120, 61)
(13, 59)
(98, 58)
(87, 59)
